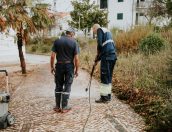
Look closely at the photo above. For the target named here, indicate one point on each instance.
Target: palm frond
(16, 15)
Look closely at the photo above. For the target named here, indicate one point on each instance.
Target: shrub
(40, 45)
(33, 48)
(35, 41)
(151, 44)
(161, 119)
(49, 41)
(45, 48)
(128, 41)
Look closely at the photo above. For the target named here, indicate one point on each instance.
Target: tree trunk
(21, 55)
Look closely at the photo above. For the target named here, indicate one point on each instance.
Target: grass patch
(128, 41)
(142, 82)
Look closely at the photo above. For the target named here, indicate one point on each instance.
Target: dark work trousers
(106, 68)
(63, 79)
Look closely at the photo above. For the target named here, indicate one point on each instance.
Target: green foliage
(40, 45)
(45, 48)
(128, 41)
(23, 15)
(85, 15)
(40, 40)
(33, 48)
(160, 117)
(164, 8)
(169, 7)
(151, 44)
(169, 25)
(41, 17)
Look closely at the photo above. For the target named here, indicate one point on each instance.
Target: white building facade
(124, 14)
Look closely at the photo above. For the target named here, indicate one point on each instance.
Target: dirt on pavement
(32, 105)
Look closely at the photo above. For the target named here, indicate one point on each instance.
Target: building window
(119, 16)
(137, 19)
(103, 4)
(54, 2)
(120, 0)
(141, 14)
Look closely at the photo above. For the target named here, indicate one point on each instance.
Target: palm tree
(16, 14)
(42, 18)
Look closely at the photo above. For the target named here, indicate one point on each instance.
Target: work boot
(102, 100)
(110, 97)
(66, 109)
(58, 101)
(56, 109)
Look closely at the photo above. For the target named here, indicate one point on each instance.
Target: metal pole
(79, 22)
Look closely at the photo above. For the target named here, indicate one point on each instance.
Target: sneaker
(56, 109)
(66, 109)
(101, 101)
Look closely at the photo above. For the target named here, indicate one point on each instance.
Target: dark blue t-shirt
(65, 48)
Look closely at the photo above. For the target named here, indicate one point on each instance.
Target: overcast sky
(61, 5)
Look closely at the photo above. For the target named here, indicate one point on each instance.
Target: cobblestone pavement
(33, 101)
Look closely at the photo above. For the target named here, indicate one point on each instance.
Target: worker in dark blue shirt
(106, 53)
(65, 49)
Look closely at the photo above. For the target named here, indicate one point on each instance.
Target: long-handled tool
(91, 76)
(89, 88)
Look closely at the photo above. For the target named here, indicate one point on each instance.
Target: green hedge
(151, 44)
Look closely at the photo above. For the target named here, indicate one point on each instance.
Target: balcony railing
(143, 5)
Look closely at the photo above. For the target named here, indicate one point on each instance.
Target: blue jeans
(63, 79)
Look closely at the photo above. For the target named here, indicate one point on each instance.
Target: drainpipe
(132, 13)
(108, 12)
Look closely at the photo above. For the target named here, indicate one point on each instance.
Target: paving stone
(32, 105)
